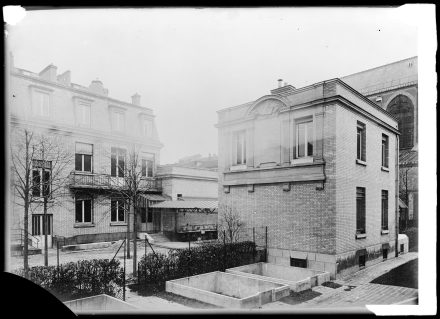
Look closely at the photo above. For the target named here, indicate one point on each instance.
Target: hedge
(155, 269)
(79, 279)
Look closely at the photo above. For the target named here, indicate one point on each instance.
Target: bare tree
(40, 167)
(134, 182)
(404, 187)
(230, 224)
(22, 152)
(55, 162)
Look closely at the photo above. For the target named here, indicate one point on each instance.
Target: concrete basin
(98, 304)
(228, 290)
(298, 279)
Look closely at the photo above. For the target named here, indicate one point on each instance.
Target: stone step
(17, 250)
(159, 237)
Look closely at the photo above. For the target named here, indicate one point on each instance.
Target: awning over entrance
(402, 204)
(151, 198)
(209, 206)
(155, 197)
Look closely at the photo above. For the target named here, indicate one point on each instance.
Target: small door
(157, 220)
(362, 261)
(385, 253)
(38, 230)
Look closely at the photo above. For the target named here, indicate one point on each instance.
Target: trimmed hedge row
(79, 279)
(155, 270)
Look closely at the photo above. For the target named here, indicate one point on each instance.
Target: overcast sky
(188, 63)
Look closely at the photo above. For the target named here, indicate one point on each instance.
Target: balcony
(80, 180)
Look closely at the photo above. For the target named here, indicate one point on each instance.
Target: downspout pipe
(397, 196)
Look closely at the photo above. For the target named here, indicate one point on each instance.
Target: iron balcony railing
(197, 228)
(106, 181)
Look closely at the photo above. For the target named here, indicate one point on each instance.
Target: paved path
(366, 294)
(356, 289)
(366, 275)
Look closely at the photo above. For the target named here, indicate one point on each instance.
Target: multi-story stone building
(99, 132)
(394, 87)
(317, 166)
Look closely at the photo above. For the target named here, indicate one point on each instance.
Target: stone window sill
(385, 232)
(302, 160)
(361, 236)
(238, 167)
(361, 162)
(118, 224)
(83, 225)
(385, 169)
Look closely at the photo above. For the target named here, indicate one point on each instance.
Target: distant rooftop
(388, 76)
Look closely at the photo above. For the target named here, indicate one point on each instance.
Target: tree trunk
(46, 257)
(133, 210)
(26, 238)
(128, 235)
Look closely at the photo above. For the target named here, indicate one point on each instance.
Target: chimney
(136, 99)
(49, 73)
(97, 87)
(64, 78)
(280, 82)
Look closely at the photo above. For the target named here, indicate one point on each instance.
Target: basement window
(297, 262)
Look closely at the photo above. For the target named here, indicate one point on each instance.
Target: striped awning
(188, 205)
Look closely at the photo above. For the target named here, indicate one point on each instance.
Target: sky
(188, 63)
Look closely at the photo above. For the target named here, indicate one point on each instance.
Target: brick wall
(351, 175)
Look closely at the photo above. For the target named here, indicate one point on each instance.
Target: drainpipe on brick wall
(396, 222)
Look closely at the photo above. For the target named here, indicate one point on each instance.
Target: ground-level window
(402, 248)
(117, 210)
(83, 210)
(297, 262)
(38, 225)
(360, 210)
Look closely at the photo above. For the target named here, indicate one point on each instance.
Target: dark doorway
(361, 261)
(385, 253)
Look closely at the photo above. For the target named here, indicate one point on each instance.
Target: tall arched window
(402, 108)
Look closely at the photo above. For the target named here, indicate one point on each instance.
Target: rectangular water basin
(297, 278)
(228, 290)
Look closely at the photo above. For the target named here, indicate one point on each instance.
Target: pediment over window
(267, 105)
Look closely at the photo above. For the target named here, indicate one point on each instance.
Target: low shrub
(155, 270)
(79, 279)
